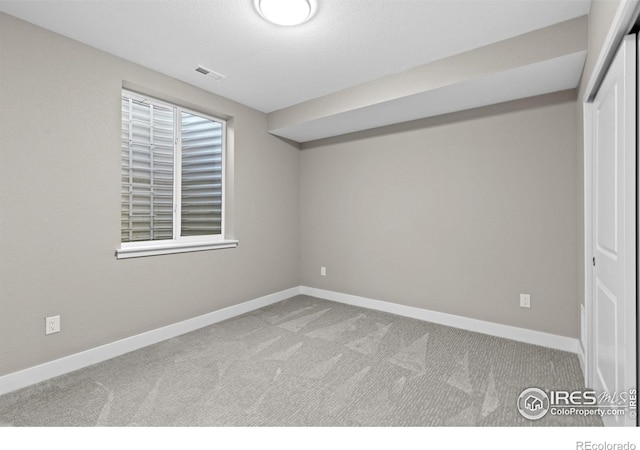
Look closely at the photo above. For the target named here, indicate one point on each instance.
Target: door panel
(606, 338)
(607, 173)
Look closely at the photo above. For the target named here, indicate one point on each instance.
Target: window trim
(167, 247)
(181, 244)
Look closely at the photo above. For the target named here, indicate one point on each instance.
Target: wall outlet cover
(52, 325)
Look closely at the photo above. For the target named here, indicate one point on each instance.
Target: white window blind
(172, 175)
(201, 175)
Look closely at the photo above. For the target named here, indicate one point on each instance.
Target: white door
(613, 298)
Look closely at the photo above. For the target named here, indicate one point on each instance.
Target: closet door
(614, 230)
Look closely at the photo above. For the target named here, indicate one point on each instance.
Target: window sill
(167, 249)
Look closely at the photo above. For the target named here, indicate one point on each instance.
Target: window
(173, 177)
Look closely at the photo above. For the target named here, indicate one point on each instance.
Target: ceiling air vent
(210, 73)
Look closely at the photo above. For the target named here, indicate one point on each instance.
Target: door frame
(625, 18)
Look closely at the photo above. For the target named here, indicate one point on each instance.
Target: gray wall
(458, 214)
(60, 206)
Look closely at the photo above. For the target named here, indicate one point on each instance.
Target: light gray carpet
(306, 362)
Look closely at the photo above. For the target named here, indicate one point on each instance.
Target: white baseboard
(563, 343)
(43, 372)
(46, 371)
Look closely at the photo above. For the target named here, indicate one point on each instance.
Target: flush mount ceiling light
(286, 13)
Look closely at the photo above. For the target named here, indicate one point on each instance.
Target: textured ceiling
(347, 43)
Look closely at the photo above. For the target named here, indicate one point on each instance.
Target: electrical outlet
(323, 271)
(52, 325)
(525, 301)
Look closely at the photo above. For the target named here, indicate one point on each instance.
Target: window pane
(201, 176)
(147, 171)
